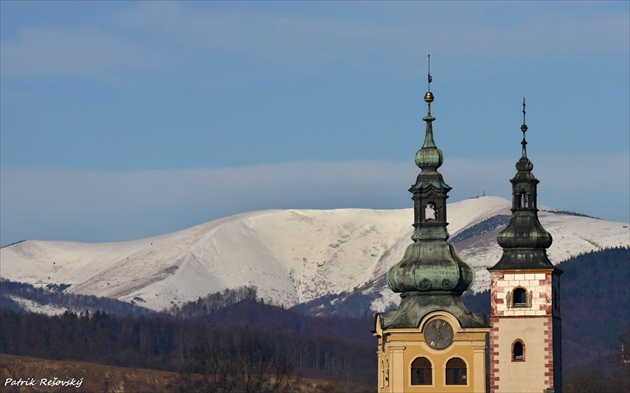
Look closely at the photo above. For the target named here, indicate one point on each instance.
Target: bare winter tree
(251, 365)
(620, 360)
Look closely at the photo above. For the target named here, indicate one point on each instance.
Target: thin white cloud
(469, 30)
(73, 191)
(302, 40)
(37, 202)
(148, 34)
(596, 185)
(139, 203)
(72, 52)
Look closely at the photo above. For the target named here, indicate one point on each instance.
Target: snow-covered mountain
(292, 256)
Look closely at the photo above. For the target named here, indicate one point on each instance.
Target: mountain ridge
(293, 256)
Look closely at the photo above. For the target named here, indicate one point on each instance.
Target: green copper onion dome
(431, 275)
(430, 263)
(524, 240)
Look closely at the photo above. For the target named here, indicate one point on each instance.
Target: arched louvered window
(421, 372)
(456, 373)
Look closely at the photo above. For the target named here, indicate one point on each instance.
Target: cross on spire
(429, 72)
(428, 98)
(524, 129)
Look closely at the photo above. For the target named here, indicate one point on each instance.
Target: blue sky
(123, 120)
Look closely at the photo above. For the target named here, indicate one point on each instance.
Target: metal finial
(429, 71)
(524, 126)
(428, 98)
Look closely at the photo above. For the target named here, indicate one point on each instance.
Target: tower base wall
(531, 371)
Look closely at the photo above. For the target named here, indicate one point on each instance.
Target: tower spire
(430, 268)
(430, 191)
(524, 129)
(428, 98)
(524, 240)
(431, 341)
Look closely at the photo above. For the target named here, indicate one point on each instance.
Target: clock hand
(438, 330)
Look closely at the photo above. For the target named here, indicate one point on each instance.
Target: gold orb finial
(428, 98)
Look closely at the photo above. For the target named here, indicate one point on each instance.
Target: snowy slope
(292, 256)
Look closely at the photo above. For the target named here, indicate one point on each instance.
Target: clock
(438, 334)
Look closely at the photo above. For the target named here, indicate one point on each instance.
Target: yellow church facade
(409, 362)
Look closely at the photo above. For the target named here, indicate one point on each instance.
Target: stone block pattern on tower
(537, 285)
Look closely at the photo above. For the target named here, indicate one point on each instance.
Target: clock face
(438, 334)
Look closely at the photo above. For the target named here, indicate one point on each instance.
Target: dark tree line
(169, 343)
(97, 336)
(54, 295)
(214, 302)
(252, 364)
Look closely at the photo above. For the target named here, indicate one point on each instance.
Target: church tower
(431, 343)
(525, 339)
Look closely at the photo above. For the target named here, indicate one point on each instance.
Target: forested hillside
(595, 302)
(595, 312)
(229, 324)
